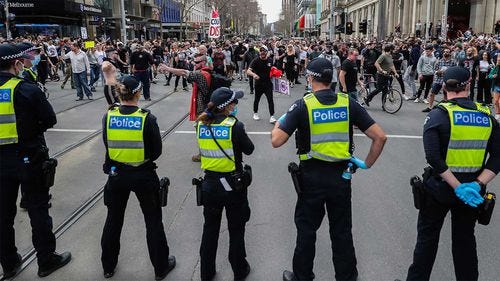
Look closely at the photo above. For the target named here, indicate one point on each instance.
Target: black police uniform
(215, 199)
(318, 191)
(144, 182)
(443, 199)
(34, 115)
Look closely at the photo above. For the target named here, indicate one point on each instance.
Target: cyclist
(385, 66)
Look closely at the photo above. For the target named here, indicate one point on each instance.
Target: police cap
(224, 96)
(320, 69)
(456, 76)
(9, 52)
(131, 83)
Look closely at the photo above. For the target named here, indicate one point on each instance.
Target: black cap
(223, 96)
(9, 52)
(26, 47)
(321, 69)
(131, 83)
(456, 76)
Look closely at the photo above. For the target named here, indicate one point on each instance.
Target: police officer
(30, 63)
(219, 129)
(324, 123)
(133, 142)
(458, 136)
(25, 115)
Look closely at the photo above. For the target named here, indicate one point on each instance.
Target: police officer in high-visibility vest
(133, 142)
(461, 143)
(218, 130)
(25, 115)
(30, 63)
(324, 123)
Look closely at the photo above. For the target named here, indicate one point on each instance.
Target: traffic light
(340, 29)
(363, 27)
(348, 27)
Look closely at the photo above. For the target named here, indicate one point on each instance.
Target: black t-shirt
(151, 135)
(297, 118)
(141, 60)
(437, 130)
(263, 69)
(351, 74)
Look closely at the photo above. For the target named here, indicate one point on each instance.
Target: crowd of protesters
(414, 60)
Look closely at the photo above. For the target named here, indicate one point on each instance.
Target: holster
(418, 190)
(49, 172)
(243, 179)
(486, 209)
(294, 171)
(198, 182)
(164, 186)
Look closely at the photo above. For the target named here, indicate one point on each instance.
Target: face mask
(235, 111)
(36, 60)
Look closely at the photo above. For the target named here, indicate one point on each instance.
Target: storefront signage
(88, 8)
(21, 5)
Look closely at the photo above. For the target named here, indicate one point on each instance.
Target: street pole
(7, 20)
(427, 19)
(332, 21)
(444, 20)
(124, 23)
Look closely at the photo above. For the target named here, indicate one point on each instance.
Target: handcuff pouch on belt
(48, 166)
(164, 186)
(243, 179)
(486, 209)
(418, 188)
(294, 171)
(198, 182)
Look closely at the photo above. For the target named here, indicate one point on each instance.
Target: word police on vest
(5, 95)
(220, 132)
(125, 123)
(469, 118)
(327, 115)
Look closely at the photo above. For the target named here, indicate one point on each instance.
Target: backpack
(215, 81)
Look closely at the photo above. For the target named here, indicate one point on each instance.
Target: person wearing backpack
(204, 83)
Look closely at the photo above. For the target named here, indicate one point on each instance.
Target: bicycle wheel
(392, 101)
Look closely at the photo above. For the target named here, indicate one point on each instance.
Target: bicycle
(392, 100)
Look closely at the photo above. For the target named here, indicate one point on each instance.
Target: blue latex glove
(282, 118)
(358, 162)
(474, 185)
(469, 194)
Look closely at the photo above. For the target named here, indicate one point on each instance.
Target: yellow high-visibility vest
(8, 127)
(329, 129)
(212, 158)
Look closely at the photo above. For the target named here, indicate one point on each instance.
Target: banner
(214, 31)
(281, 86)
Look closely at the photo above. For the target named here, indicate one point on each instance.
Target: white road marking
(356, 135)
(71, 130)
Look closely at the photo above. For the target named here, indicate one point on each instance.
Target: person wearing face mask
(222, 141)
(25, 116)
(30, 73)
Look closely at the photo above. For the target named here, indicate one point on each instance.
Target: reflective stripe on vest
(329, 128)
(32, 74)
(8, 127)
(212, 158)
(125, 136)
(470, 132)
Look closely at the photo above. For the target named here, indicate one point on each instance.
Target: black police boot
(109, 274)
(53, 263)
(289, 276)
(171, 265)
(15, 270)
(244, 275)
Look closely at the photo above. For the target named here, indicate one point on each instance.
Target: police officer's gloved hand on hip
(359, 163)
(469, 193)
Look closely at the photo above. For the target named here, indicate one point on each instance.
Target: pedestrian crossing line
(356, 135)
(71, 130)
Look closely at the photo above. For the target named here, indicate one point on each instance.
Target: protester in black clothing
(260, 69)
(370, 56)
(250, 55)
(141, 61)
(348, 76)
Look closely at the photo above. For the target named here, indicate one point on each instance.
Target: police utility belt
(421, 195)
(242, 180)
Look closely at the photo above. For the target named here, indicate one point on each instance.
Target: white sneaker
(256, 116)
(417, 100)
(426, 101)
(406, 97)
(272, 120)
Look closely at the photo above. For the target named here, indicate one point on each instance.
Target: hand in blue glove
(474, 185)
(468, 193)
(360, 163)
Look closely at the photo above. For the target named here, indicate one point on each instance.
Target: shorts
(436, 88)
(496, 89)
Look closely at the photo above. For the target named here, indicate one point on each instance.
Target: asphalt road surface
(384, 219)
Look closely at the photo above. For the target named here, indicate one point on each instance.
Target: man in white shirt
(81, 69)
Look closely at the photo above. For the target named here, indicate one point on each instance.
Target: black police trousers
(215, 199)
(318, 192)
(14, 172)
(430, 221)
(145, 185)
